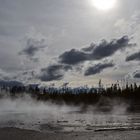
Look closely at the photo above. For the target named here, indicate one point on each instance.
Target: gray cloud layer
(32, 47)
(97, 68)
(53, 20)
(53, 72)
(135, 56)
(95, 52)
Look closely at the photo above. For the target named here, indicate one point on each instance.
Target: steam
(26, 112)
(28, 105)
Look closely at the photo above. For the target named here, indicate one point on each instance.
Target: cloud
(95, 52)
(98, 68)
(6, 75)
(68, 59)
(32, 47)
(129, 25)
(136, 75)
(90, 48)
(53, 72)
(135, 56)
(73, 57)
(105, 49)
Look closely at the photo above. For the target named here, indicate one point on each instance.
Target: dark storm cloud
(73, 57)
(105, 49)
(135, 56)
(90, 48)
(136, 75)
(95, 52)
(32, 47)
(53, 72)
(97, 68)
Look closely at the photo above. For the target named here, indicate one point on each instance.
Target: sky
(58, 41)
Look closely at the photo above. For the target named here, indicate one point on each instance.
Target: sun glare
(103, 4)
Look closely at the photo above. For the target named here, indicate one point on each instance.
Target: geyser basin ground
(31, 119)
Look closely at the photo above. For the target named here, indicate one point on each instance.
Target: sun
(104, 4)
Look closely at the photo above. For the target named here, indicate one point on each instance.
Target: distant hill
(10, 83)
